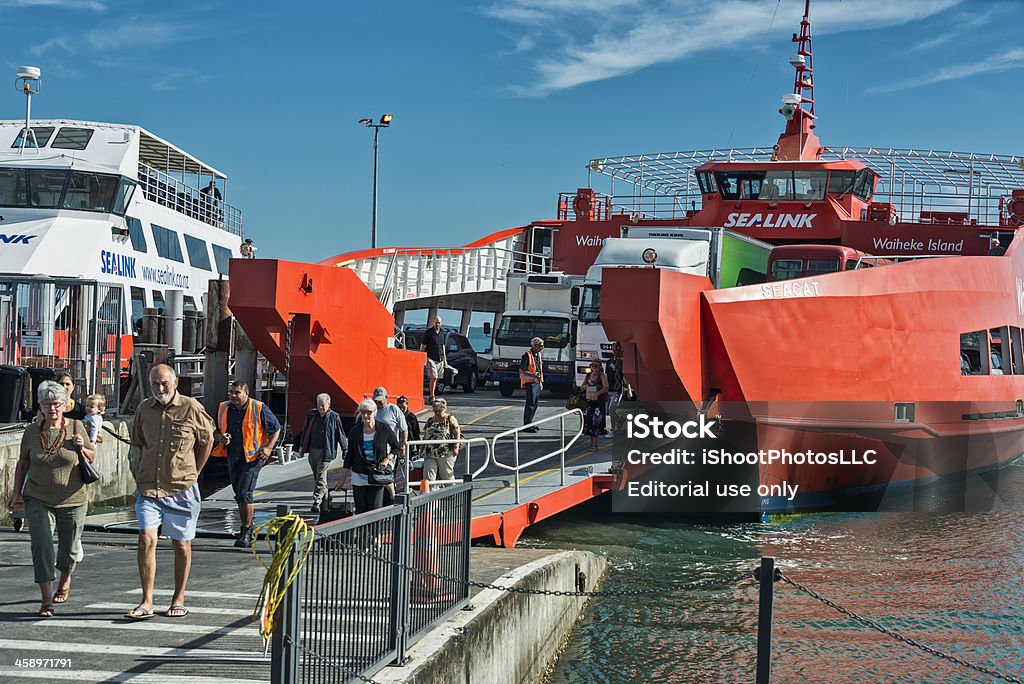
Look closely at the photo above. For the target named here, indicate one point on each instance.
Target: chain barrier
(116, 436)
(895, 635)
(330, 663)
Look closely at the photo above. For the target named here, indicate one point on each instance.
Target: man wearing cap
(392, 416)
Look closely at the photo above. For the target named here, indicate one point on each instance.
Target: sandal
(46, 610)
(139, 613)
(61, 595)
(178, 610)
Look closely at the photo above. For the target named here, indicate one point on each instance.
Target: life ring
(582, 205)
(1015, 211)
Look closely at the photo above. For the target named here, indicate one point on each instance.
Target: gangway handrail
(896, 258)
(514, 433)
(469, 442)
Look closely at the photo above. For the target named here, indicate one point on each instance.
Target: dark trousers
(532, 399)
(368, 497)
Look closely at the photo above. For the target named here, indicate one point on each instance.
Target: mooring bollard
(766, 575)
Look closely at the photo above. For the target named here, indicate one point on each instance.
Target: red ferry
(906, 342)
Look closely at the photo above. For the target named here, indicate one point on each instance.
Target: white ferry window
(198, 255)
(138, 304)
(816, 266)
(786, 269)
(124, 193)
(189, 303)
(809, 185)
(841, 182)
(222, 255)
(90, 192)
(707, 182)
(136, 235)
(167, 244)
(42, 134)
(13, 188)
(45, 187)
(72, 138)
(778, 185)
(158, 299)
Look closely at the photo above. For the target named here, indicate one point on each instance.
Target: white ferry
(97, 222)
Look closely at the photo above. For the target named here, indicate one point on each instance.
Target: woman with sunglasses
(372, 447)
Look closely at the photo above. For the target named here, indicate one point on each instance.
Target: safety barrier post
(766, 575)
(561, 429)
(284, 661)
(401, 578)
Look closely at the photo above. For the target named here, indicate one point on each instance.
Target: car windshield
(518, 331)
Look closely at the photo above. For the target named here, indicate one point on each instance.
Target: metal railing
(517, 467)
(871, 261)
(473, 474)
(167, 190)
(372, 585)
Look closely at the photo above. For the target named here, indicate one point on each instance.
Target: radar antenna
(28, 82)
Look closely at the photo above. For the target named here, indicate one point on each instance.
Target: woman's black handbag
(381, 476)
(576, 400)
(85, 469)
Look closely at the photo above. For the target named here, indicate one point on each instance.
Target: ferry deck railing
(472, 474)
(170, 192)
(871, 261)
(516, 467)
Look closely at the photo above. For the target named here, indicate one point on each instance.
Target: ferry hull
(825, 364)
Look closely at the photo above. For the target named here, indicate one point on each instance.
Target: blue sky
(499, 105)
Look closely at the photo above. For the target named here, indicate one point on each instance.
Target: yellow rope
(288, 531)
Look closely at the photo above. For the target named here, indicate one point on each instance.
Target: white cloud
(136, 31)
(963, 24)
(61, 42)
(608, 38)
(91, 5)
(177, 80)
(1011, 59)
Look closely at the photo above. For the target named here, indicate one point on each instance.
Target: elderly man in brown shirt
(166, 428)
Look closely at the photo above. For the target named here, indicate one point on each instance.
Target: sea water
(953, 581)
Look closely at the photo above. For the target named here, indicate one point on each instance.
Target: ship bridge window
(42, 134)
(45, 187)
(198, 255)
(72, 138)
(787, 269)
(167, 244)
(842, 182)
(90, 191)
(819, 266)
(778, 185)
(706, 180)
(865, 186)
(740, 184)
(809, 185)
(221, 255)
(136, 234)
(13, 188)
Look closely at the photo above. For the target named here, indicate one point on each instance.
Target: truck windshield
(590, 307)
(518, 331)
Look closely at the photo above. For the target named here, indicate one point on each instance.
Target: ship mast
(798, 142)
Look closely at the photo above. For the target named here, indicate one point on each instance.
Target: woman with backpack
(439, 459)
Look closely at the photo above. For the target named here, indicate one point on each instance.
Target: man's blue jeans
(532, 399)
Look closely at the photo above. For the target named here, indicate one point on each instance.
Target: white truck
(544, 306)
(727, 258)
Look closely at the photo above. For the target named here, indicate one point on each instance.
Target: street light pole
(385, 121)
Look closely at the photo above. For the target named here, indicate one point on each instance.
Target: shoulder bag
(85, 469)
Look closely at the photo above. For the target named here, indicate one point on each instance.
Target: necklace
(51, 449)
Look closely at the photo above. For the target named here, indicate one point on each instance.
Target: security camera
(790, 103)
(787, 111)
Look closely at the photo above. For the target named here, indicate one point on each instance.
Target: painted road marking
(151, 625)
(116, 649)
(110, 676)
(200, 594)
(124, 607)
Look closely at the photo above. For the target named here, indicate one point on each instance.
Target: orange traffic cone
(426, 588)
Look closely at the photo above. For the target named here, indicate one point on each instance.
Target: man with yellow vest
(531, 378)
(247, 431)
